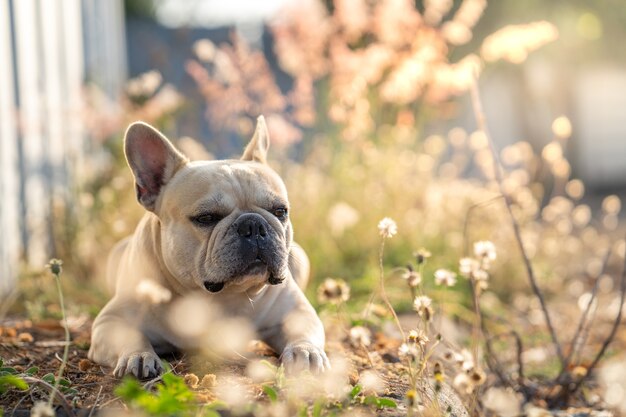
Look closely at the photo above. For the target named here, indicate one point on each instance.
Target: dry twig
(482, 125)
(610, 337)
(575, 343)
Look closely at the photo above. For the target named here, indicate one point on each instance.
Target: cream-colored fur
(176, 249)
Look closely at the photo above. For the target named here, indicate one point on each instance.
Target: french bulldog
(219, 228)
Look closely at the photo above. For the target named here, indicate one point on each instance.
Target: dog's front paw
(298, 357)
(139, 364)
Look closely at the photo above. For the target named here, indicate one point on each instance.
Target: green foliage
(270, 392)
(172, 396)
(64, 385)
(355, 397)
(8, 381)
(356, 390)
(379, 402)
(10, 378)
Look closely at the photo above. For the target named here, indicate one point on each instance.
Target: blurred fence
(48, 49)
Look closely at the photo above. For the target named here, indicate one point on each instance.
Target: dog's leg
(293, 328)
(118, 342)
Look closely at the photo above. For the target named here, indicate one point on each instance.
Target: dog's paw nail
(304, 356)
(141, 365)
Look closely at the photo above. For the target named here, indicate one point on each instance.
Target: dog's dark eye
(280, 212)
(205, 219)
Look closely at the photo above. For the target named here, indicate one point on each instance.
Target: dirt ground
(24, 344)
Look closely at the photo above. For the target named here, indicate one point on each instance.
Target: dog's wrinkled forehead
(230, 183)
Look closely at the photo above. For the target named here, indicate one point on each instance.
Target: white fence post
(42, 135)
(34, 147)
(9, 169)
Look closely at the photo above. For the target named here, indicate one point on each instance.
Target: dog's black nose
(213, 286)
(251, 226)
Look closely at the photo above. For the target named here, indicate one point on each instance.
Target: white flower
(467, 266)
(485, 250)
(422, 304)
(412, 278)
(466, 360)
(445, 277)
(417, 337)
(476, 271)
(387, 227)
(480, 275)
(152, 292)
(463, 384)
(42, 409)
(409, 350)
(360, 336)
(422, 301)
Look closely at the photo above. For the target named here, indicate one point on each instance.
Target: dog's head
(223, 225)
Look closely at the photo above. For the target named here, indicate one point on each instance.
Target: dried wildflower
(387, 227)
(463, 384)
(208, 381)
(360, 336)
(152, 292)
(379, 310)
(191, 380)
(467, 266)
(478, 377)
(477, 270)
(371, 381)
(485, 249)
(465, 360)
(421, 256)
(42, 409)
(422, 304)
(445, 277)
(417, 337)
(438, 372)
(449, 355)
(411, 397)
(333, 291)
(409, 350)
(413, 278)
(55, 266)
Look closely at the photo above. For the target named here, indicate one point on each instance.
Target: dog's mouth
(257, 268)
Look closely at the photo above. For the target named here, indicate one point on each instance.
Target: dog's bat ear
(259, 144)
(153, 160)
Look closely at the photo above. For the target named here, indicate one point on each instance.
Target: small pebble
(25, 337)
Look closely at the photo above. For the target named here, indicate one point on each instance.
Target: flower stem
(67, 341)
(383, 293)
